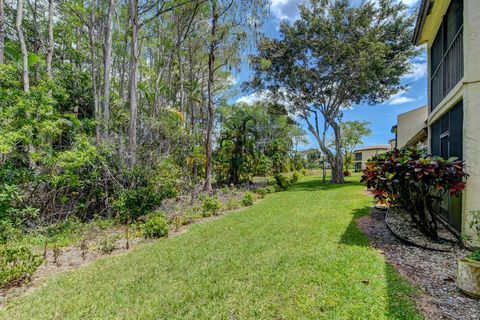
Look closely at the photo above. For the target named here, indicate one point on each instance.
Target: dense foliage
(255, 140)
(17, 265)
(415, 181)
(94, 125)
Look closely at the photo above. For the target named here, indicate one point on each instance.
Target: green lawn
(294, 255)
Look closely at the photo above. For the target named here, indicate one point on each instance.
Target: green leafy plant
(415, 181)
(295, 176)
(211, 206)
(155, 227)
(282, 182)
(17, 265)
(247, 199)
(232, 204)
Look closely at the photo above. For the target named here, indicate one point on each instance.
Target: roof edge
(422, 15)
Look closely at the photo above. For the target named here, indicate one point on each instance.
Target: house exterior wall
(409, 125)
(367, 154)
(468, 90)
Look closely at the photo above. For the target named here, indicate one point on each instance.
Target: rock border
(396, 215)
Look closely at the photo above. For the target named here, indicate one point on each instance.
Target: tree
(23, 46)
(2, 31)
(336, 55)
(230, 22)
(353, 133)
(107, 66)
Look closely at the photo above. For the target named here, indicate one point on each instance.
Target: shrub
(281, 182)
(416, 182)
(107, 245)
(136, 202)
(211, 206)
(232, 204)
(304, 172)
(17, 265)
(347, 173)
(262, 192)
(295, 176)
(247, 199)
(155, 227)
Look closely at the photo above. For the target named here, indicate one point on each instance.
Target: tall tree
(51, 43)
(132, 89)
(2, 31)
(23, 46)
(231, 20)
(107, 66)
(337, 55)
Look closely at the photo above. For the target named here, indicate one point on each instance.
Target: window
(358, 156)
(447, 134)
(447, 141)
(446, 54)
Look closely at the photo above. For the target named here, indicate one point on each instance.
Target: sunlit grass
(294, 255)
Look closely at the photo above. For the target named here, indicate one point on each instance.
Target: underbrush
(144, 218)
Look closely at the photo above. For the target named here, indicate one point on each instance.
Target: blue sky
(382, 117)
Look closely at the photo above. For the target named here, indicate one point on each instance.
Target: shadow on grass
(316, 184)
(352, 235)
(400, 294)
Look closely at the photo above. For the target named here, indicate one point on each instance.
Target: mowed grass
(294, 255)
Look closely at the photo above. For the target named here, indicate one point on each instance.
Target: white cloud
(399, 98)
(286, 9)
(419, 70)
(252, 98)
(410, 2)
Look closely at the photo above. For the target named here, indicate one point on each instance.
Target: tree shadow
(315, 185)
(400, 294)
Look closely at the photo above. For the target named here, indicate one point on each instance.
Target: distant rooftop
(379, 147)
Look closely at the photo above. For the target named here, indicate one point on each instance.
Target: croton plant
(415, 181)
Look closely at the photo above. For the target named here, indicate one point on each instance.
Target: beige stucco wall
(469, 90)
(471, 105)
(409, 124)
(367, 154)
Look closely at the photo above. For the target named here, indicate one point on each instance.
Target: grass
(295, 255)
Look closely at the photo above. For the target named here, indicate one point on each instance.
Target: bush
(262, 192)
(475, 255)
(247, 199)
(155, 227)
(232, 204)
(295, 176)
(416, 182)
(281, 182)
(211, 206)
(304, 172)
(347, 173)
(17, 265)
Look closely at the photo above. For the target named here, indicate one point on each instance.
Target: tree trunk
(132, 90)
(2, 32)
(50, 40)
(211, 106)
(93, 71)
(23, 46)
(337, 165)
(107, 62)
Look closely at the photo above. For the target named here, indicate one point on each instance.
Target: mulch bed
(433, 272)
(399, 222)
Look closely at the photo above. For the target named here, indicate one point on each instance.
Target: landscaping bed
(433, 271)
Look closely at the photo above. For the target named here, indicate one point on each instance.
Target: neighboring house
(360, 156)
(411, 129)
(451, 31)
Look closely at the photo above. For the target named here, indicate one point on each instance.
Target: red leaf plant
(415, 181)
